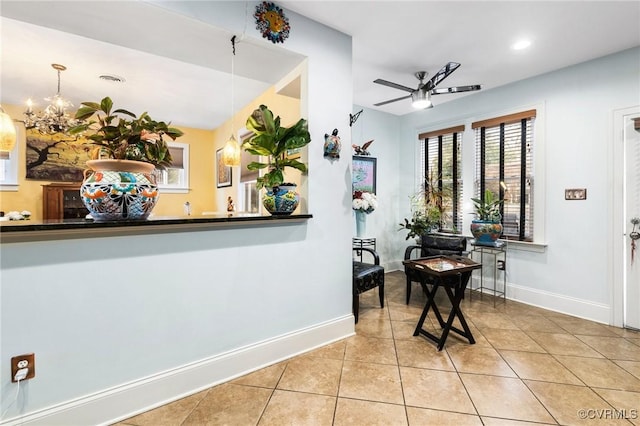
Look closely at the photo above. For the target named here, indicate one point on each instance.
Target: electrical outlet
(23, 361)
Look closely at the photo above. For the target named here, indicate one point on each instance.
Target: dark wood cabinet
(62, 201)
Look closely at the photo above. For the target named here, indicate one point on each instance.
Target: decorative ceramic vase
(281, 200)
(361, 223)
(485, 231)
(119, 189)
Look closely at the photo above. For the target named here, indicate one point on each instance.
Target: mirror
(174, 67)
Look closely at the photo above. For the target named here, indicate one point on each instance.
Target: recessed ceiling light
(521, 44)
(112, 78)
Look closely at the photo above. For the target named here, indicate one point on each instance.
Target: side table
(359, 243)
(497, 263)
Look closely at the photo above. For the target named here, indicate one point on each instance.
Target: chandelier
(54, 118)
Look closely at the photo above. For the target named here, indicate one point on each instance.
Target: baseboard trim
(121, 402)
(581, 308)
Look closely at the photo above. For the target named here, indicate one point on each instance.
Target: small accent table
(452, 273)
(497, 256)
(359, 243)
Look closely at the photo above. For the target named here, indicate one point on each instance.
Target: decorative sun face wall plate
(271, 22)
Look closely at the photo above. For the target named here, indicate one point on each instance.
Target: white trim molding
(129, 399)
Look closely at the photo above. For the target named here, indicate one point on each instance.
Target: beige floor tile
(369, 349)
(297, 408)
(536, 323)
(372, 312)
(313, 375)
(484, 320)
(424, 416)
(601, 373)
(439, 390)
(580, 326)
(493, 421)
(570, 405)
(563, 344)
(504, 397)
(542, 367)
(479, 360)
(511, 339)
(351, 412)
(632, 367)
(627, 404)
(613, 347)
(265, 378)
(372, 382)
(403, 330)
(230, 404)
(380, 328)
(402, 312)
(624, 332)
(422, 354)
(332, 351)
(173, 413)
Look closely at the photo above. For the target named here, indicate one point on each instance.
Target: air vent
(112, 78)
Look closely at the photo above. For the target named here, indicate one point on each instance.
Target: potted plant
(272, 141)
(486, 228)
(120, 183)
(426, 210)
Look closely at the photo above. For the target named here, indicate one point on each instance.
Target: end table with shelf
(496, 254)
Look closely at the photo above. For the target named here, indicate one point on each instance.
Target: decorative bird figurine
(362, 150)
(332, 144)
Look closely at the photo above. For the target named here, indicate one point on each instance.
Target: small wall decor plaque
(575, 194)
(271, 22)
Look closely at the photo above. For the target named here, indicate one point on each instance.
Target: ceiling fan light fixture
(421, 99)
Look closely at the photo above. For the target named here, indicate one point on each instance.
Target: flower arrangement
(23, 215)
(120, 138)
(365, 202)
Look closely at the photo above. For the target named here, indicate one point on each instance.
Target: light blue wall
(110, 312)
(576, 105)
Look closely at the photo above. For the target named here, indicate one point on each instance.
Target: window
(175, 179)
(9, 165)
(440, 167)
(248, 193)
(504, 165)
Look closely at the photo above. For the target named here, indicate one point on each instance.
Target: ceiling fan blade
(441, 75)
(456, 89)
(394, 85)
(392, 100)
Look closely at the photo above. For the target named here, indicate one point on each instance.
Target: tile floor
(529, 366)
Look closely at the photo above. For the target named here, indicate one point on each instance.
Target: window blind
(504, 165)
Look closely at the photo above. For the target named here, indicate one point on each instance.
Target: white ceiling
(394, 39)
(391, 40)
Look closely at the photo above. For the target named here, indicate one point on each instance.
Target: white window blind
(504, 165)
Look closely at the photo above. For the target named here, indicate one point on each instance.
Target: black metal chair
(366, 276)
(433, 245)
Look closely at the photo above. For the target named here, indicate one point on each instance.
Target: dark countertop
(30, 230)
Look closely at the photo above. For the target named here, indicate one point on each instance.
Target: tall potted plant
(272, 141)
(487, 227)
(427, 209)
(120, 183)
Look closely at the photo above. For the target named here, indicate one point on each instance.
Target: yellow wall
(203, 194)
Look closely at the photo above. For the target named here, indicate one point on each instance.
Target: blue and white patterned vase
(119, 189)
(281, 200)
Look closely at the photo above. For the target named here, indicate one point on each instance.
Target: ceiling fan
(421, 97)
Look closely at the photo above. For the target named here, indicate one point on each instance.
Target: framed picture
(363, 173)
(223, 173)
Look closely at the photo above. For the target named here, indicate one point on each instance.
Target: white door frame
(616, 242)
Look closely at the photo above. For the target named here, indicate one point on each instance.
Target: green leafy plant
(120, 134)
(272, 141)
(427, 211)
(488, 209)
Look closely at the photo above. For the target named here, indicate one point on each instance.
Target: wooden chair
(367, 276)
(433, 245)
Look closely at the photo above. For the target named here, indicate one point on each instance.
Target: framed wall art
(223, 173)
(363, 172)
